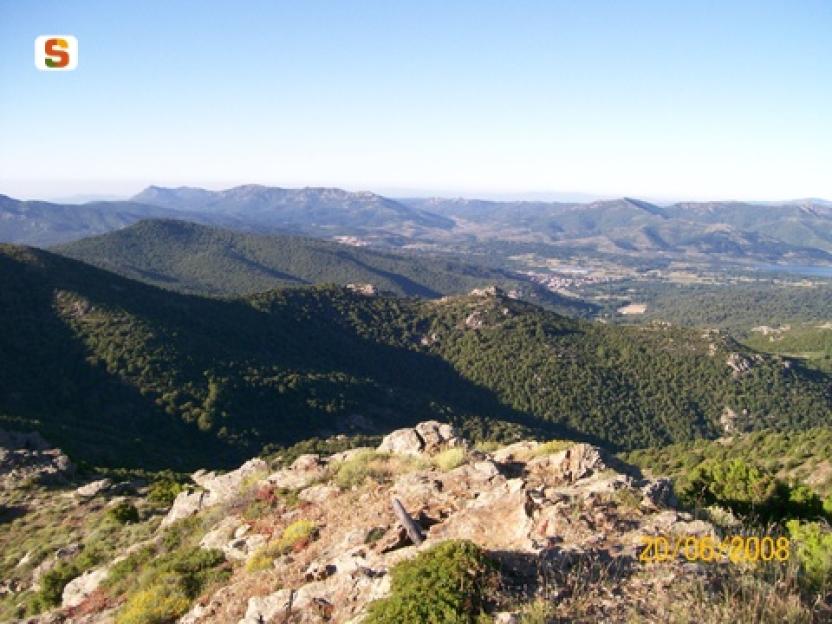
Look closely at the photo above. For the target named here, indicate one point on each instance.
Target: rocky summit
(322, 538)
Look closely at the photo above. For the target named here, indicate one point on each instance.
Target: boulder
(577, 462)
(216, 489)
(77, 590)
(518, 451)
(223, 487)
(658, 494)
(497, 520)
(304, 471)
(319, 493)
(426, 438)
(94, 488)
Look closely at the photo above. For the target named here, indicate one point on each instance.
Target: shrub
(372, 465)
(123, 513)
(737, 485)
(448, 583)
(803, 502)
(552, 446)
(449, 459)
(53, 582)
(159, 604)
(293, 536)
(164, 491)
(814, 551)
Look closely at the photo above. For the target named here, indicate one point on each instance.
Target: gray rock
(93, 488)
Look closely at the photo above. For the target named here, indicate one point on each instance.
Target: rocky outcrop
(534, 512)
(304, 471)
(93, 488)
(27, 457)
(215, 489)
(79, 588)
(426, 438)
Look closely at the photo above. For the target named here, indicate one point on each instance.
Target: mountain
(45, 223)
(796, 232)
(309, 210)
(122, 373)
(199, 259)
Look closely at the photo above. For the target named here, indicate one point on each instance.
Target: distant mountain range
(798, 231)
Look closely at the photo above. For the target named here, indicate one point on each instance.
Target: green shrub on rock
(447, 584)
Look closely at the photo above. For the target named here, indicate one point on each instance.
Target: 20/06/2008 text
(737, 548)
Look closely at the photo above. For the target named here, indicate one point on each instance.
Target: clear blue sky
(660, 99)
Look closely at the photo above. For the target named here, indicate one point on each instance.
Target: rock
(488, 291)
(220, 535)
(186, 504)
(67, 552)
(518, 451)
(426, 438)
(240, 549)
(303, 471)
(368, 290)
(223, 487)
(658, 494)
(27, 457)
(402, 442)
(94, 488)
(474, 320)
(319, 493)
(216, 489)
(577, 462)
(77, 590)
(507, 617)
(497, 520)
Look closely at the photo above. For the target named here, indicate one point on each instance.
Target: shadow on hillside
(285, 374)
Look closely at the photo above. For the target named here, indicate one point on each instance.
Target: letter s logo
(56, 48)
(56, 52)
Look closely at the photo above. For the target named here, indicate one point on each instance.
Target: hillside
(205, 260)
(794, 456)
(121, 373)
(422, 528)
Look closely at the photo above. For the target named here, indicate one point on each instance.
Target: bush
(123, 513)
(164, 491)
(293, 537)
(448, 583)
(748, 490)
(376, 466)
(814, 551)
(552, 446)
(449, 459)
(53, 582)
(736, 485)
(159, 604)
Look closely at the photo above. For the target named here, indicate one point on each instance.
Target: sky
(658, 100)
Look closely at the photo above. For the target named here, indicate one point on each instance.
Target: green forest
(122, 373)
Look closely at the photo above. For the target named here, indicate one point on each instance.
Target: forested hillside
(794, 456)
(205, 260)
(123, 373)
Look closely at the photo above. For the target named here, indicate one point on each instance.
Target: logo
(56, 52)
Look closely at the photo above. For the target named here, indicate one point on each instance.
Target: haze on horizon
(539, 100)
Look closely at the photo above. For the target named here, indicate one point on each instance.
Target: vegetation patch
(379, 467)
(450, 583)
(449, 459)
(294, 537)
